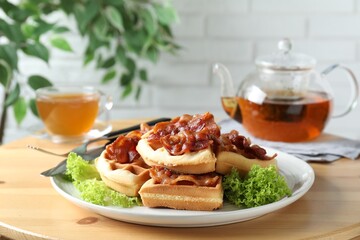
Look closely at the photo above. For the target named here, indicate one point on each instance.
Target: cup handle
(354, 100)
(105, 105)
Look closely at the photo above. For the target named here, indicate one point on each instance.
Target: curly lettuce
(259, 187)
(96, 192)
(87, 181)
(77, 169)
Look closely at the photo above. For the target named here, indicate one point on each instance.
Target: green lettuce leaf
(261, 186)
(96, 192)
(79, 170)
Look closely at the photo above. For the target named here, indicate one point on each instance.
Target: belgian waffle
(202, 192)
(199, 162)
(228, 160)
(189, 197)
(125, 178)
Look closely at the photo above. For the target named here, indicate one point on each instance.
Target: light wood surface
(31, 209)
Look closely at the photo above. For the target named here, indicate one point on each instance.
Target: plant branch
(3, 119)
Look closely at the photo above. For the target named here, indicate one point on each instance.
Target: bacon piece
(234, 142)
(162, 175)
(185, 134)
(185, 142)
(144, 128)
(123, 149)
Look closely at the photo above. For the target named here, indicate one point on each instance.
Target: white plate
(299, 176)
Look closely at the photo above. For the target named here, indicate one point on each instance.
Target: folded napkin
(326, 148)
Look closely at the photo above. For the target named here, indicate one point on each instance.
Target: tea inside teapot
(286, 120)
(284, 99)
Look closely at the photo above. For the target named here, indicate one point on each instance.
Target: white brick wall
(233, 32)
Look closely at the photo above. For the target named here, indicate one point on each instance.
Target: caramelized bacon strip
(123, 149)
(185, 134)
(234, 142)
(185, 142)
(161, 175)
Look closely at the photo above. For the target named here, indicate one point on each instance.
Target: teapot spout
(228, 98)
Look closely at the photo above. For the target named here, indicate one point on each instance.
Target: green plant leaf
(94, 43)
(9, 55)
(4, 27)
(114, 2)
(7, 6)
(126, 91)
(166, 14)
(89, 56)
(13, 96)
(130, 66)
(32, 6)
(152, 54)
(16, 13)
(12, 31)
(121, 54)
(61, 43)
(135, 40)
(37, 50)
(100, 28)
(5, 73)
(110, 75)
(28, 30)
(47, 9)
(150, 22)
(108, 63)
(126, 79)
(143, 75)
(84, 14)
(138, 92)
(67, 6)
(99, 61)
(42, 27)
(20, 109)
(33, 107)
(37, 81)
(114, 17)
(61, 29)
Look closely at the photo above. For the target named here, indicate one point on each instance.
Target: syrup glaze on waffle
(121, 166)
(125, 178)
(161, 175)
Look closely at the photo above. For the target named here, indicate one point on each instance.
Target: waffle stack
(178, 164)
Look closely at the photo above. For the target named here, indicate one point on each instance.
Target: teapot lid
(285, 60)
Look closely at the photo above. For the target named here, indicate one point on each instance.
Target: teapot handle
(354, 100)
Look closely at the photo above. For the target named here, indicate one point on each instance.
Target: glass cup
(74, 114)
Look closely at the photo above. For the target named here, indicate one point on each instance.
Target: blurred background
(233, 32)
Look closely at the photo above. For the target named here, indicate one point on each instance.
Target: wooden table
(31, 209)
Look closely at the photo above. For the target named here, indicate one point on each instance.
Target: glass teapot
(284, 99)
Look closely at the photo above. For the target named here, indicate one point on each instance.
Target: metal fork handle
(47, 152)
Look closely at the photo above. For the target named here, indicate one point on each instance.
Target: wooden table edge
(12, 232)
(349, 232)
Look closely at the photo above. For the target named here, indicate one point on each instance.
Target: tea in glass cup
(69, 113)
